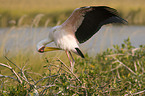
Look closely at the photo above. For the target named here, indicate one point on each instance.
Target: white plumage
(60, 35)
(83, 23)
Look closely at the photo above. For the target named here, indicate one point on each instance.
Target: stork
(83, 23)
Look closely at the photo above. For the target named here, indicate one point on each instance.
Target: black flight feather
(95, 19)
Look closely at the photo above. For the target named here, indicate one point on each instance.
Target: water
(26, 38)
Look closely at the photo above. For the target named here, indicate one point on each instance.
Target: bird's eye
(41, 50)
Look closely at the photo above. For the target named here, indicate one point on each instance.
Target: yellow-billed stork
(83, 23)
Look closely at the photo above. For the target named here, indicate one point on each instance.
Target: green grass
(59, 10)
(118, 71)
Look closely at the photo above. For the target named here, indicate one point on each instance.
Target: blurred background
(59, 10)
(23, 23)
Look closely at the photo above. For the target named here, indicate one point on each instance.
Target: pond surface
(26, 38)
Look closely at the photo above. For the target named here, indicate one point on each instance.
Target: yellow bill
(50, 49)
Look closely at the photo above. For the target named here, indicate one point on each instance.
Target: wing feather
(86, 21)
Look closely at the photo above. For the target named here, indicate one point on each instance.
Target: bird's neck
(43, 42)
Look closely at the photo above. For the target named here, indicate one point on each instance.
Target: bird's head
(41, 48)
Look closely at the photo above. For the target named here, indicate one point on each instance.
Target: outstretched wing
(86, 21)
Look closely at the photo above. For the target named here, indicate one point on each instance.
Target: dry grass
(113, 72)
(48, 5)
(132, 10)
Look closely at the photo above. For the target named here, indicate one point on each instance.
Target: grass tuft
(118, 71)
(58, 10)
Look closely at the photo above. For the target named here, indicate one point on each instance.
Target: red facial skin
(41, 50)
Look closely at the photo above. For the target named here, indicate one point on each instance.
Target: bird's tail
(78, 52)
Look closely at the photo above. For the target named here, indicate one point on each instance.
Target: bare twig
(135, 66)
(24, 75)
(47, 88)
(3, 76)
(138, 92)
(140, 66)
(22, 71)
(12, 62)
(125, 66)
(35, 92)
(114, 55)
(135, 93)
(26, 81)
(35, 73)
(118, 74)
(9, 67)
(62, 69)
(116, 67)
(31, 78)
(133, 51)
(46, 78)
(121, 64)
(70, 70)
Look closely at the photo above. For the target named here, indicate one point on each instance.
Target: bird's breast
(65, 40)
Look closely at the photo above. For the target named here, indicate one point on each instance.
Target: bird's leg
(73, 62)
(69, 59)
